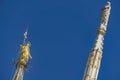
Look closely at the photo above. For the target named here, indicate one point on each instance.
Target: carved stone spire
(94, 60)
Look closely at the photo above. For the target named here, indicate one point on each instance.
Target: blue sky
(61, 32)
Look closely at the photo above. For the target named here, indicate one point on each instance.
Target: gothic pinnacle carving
(94, 60)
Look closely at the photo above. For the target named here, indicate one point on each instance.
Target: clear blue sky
(61, 32)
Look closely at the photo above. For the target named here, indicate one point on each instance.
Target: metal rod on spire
(25, 35)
